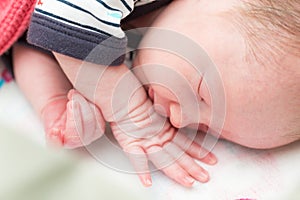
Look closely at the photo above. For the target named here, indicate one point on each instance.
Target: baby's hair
(272, 30)
(271, 27)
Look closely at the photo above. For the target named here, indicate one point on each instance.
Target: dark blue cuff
(68, 40)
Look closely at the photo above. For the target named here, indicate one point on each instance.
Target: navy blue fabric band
(69, 40)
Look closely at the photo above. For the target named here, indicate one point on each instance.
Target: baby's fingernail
(147, 182)
(212, 159)
(189, 180)
(70, 94)
(202, 176)
(54, 136)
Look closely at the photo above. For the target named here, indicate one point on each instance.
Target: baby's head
(256, 50)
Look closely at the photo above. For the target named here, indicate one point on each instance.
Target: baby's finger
(99, 122)
(194, 149)
(166, 163)
(84, 122)
(54, 138)
(139, 161)
(186, 162)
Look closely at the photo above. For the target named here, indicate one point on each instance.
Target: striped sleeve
(78, 27)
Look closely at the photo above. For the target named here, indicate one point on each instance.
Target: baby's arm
(72, 28)
(96, 37)
(59, 107)
(141, 132)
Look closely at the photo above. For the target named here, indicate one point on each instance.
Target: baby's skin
(142, 133)
(262, 104)
(261, 96)
(71, 120)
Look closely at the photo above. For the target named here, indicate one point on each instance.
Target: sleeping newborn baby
(254, 71)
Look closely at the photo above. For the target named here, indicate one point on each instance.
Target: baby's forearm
(115, 90)
(140, 131)
(119, 94)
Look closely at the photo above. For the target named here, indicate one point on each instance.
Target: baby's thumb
(86, 119)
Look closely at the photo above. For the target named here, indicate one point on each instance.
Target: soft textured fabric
(15, 15)
(76, 28)
(31, 172)
(86, 30)
(47, 33)
(14, 19)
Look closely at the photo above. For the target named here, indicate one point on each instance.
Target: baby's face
(260, 101)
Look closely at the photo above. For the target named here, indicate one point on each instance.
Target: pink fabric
(14, 19)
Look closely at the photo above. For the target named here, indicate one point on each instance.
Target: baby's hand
(72, 121)
(141, 132)
(167, 148)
